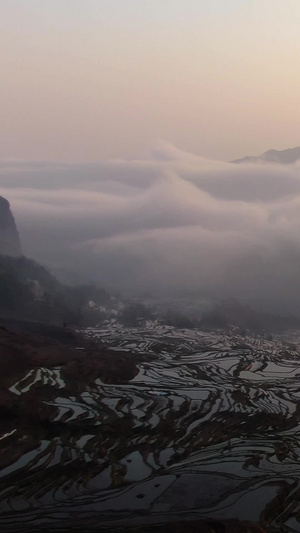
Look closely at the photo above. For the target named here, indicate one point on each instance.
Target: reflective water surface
(209, 427)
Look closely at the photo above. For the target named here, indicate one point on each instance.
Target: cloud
(170, 221)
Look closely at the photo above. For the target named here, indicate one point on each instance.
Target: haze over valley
(164, 224)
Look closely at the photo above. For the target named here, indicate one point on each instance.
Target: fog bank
(164, 223)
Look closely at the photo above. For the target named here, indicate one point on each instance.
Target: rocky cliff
(9, 237)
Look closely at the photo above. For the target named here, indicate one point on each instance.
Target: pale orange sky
(93, 79)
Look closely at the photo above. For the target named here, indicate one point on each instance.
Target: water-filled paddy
(208, 428)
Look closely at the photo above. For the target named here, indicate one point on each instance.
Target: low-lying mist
(164, 224)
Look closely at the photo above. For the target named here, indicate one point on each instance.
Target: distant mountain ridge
(282, 157)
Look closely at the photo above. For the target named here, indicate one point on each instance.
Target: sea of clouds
(166, 223)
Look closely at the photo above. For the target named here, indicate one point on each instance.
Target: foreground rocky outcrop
(9, 237)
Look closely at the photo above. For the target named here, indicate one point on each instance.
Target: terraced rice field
(209, 428)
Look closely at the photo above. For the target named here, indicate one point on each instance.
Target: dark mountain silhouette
(9, 237)
(28, 290)
(282, 157)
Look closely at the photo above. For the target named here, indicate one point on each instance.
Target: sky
(91, 80)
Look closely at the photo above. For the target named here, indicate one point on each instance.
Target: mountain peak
(9, 236)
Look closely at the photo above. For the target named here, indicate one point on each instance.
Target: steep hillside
(9, 237)
(28, 290)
